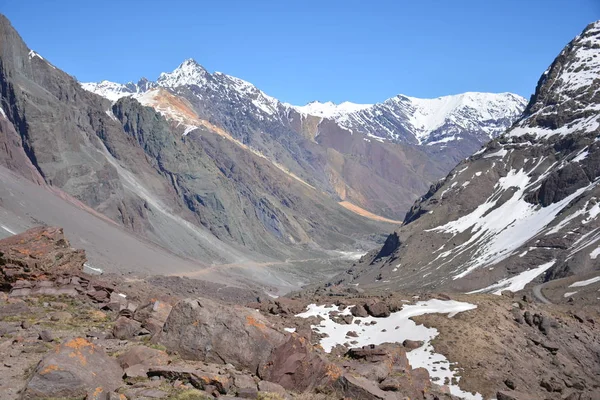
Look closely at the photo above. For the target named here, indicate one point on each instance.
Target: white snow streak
(586, 282)
(517, 282)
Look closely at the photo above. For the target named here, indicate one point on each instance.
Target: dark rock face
(77, 368)
(527, 200)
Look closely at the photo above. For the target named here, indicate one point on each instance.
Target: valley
(192, 237)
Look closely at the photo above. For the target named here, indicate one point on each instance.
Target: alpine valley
(192, 237)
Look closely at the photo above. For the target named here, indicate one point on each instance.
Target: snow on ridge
(573, 81)
(110, 90)
(329, 109)
(260, 99)
(395, 329)
(424, 116)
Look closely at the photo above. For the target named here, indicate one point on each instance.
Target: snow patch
(398, 327)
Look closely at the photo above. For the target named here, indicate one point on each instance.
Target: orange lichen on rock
(97, 393)
(250, 320)
(49, 368)
(79, 343)
(333, 372)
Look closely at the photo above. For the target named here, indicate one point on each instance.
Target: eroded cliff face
(523, 208)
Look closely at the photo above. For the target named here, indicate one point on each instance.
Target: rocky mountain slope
(377, 157)
(202, 195)
(524, 208)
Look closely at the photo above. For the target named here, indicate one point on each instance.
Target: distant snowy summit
(474, 117)
(426, 121)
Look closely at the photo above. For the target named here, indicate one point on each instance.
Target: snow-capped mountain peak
(188, 72)
(476, 117)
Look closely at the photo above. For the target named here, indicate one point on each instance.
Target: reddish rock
(359, 311)
(199, 375)
(37, 253)
(412, 344)
(296, 366)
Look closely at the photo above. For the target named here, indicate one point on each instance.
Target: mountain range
(214, 171)
(221, 239)
(423, 138)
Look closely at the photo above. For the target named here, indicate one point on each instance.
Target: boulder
(270, 387)
(153, 315)
(359, 311)
(76, 369)
(204, 330)
(412, 344)
(137, 360)
(126, 328)
(197, 374)
(378, 310)
(46, 336)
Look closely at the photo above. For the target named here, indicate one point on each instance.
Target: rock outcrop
(38, 254)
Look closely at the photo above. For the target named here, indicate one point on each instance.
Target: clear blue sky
(298, 51)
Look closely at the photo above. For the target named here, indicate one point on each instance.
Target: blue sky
(298, 51)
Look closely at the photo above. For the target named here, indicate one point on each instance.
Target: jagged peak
(189, 72)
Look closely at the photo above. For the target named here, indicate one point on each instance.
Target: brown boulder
(208, 331)
(153, 315)
(126, 328)
(378, 310)
(137, 360)
(412, 344)
(76, 369)
(359, 311)
(270, 387)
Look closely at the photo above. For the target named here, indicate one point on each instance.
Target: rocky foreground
(68, 335)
